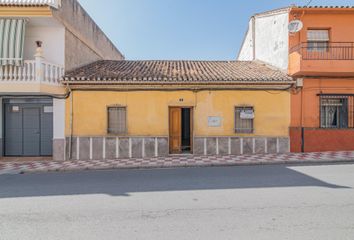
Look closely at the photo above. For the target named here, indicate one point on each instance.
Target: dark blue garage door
(28, 127)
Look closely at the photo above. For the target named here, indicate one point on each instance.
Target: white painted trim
(64, 149)
(229, 146)
(117, 147)
(91, 150)
(58, 118)
(143, 148)
(278, 147)
(104, 148)
(78, 148)
(156, 147)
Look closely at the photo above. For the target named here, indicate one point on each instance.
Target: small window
(117, 120)
(334, 112)
(244, 117)
(318, 40)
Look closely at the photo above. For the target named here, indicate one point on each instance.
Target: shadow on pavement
(123, 182)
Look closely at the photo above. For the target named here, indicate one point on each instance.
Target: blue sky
(181, 29)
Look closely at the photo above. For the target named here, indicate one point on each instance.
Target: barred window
(117, 120)
(318, 40)
(334, 112)
(244, 117)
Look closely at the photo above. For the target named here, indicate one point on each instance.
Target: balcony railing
(53, 3)
(32, 71)
(325, 50)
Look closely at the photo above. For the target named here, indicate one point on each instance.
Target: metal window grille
(318, 40)
(243, 125)
(337, 111)
(117, 120)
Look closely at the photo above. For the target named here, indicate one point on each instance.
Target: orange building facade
(321, 58)
(321, 55)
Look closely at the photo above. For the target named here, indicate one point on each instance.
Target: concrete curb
(169, 166)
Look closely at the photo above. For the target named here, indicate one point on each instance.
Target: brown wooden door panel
(175, 130)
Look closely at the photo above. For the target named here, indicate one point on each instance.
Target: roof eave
(241, 82)
(173, 86)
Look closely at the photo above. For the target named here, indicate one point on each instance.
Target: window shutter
(117, 120)
(318, 35)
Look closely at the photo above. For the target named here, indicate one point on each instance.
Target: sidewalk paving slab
(15, 167)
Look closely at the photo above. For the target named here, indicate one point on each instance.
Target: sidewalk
(175, 161)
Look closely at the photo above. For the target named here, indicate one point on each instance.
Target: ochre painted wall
(147, 111)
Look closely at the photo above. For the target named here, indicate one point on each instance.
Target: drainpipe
(302, 126)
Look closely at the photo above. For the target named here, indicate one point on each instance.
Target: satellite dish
(295, 26)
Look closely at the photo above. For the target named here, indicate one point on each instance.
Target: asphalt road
(257, 202)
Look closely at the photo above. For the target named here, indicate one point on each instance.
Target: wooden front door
(175, 130)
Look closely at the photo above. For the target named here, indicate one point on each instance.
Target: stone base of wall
(95, 148)
(240, 145)
(58, 149)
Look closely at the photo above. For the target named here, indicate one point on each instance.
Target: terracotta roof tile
(176, 72)
(325, 6)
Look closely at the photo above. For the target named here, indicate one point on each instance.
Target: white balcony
(53, 3)
(33, 76)
(29, 72)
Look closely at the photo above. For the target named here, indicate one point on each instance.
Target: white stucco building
(267, 39)
(39, 41)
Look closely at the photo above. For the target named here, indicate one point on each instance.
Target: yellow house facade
(122, 109)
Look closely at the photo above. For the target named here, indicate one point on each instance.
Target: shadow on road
(123, 182)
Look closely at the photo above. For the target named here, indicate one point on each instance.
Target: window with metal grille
(337, 111)
(117, 120)
(244, 117)
(318, 40)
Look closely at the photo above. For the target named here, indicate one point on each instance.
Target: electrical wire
(308, 4)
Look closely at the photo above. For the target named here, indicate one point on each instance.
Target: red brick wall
(318, 140)
(295, 139)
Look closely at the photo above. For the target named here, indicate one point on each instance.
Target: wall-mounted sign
(48, 109)
(214, 121)
(15, 108)
(247, 114)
